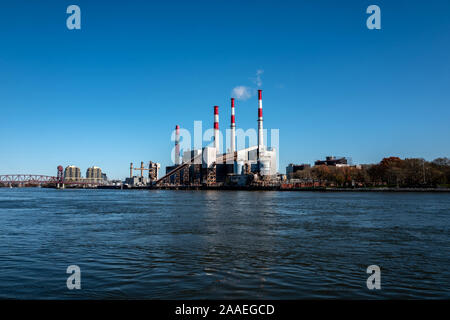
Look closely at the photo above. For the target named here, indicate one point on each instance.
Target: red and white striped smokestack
(216, 129)
(260, 123)
(177, 145)
(233, 127)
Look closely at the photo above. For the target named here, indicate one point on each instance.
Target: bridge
(36, 179)
(26, 179)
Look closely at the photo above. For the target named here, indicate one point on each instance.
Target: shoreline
(262, 188)
(254, 188)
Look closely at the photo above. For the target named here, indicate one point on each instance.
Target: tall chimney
(131, 170)
(216, 128)
(177, 145)
(260, 123)
(233, 128)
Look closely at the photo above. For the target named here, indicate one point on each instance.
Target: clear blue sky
(112, 92)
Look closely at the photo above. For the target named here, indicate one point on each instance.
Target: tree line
(390, 172)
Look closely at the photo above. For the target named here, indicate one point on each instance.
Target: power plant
(208, 166)
(204, 167)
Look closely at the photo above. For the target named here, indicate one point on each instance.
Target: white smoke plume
(244, 92)
(241, 92)
(258, 79)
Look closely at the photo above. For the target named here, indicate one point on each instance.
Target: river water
(140, 244)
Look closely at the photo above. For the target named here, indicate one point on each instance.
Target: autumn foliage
(392, 171)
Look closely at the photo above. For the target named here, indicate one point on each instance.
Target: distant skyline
(111, 93)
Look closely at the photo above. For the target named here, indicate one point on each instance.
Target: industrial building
(153, 171)
(333, 161)
(210, 167)
(136, 181)
(72, 173)
(141, 180)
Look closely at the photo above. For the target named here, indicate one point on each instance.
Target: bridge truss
(36, 179)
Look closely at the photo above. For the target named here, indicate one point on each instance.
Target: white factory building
(209, 166)
(257, 159)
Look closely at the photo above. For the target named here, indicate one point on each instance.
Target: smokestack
(131, 170)
(216, 128)
(177, 145)
(233, 127)
(260, 123)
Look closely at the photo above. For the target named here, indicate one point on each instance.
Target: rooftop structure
(332, 161)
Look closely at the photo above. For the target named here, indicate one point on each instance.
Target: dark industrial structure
(332, 161)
